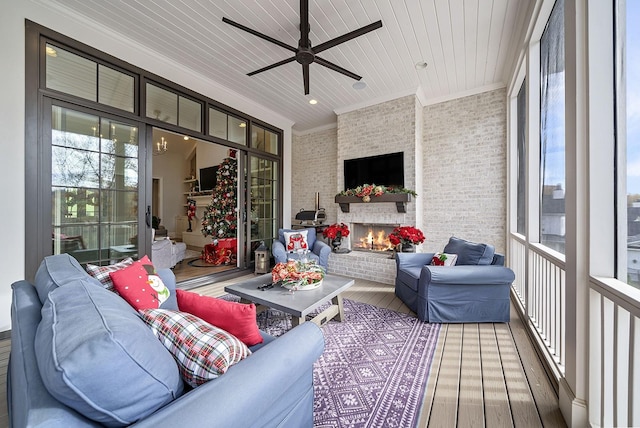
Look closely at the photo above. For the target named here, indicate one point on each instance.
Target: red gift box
(222, 253)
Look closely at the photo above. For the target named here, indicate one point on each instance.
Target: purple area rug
(374, 369)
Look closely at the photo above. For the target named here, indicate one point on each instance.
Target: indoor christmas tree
(220, 219)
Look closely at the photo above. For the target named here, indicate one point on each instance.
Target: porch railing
(540, 289)
(614, 331)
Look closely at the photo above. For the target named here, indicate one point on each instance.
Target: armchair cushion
(470, 253)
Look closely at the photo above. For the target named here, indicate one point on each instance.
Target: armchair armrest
(254, 392)
(406, 261)
(279, 252)
(467, 275)
(322, 250)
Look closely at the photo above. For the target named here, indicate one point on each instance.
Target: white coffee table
(299, 303)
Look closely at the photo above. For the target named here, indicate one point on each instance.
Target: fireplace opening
(371, 237)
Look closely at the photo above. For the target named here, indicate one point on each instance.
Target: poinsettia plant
(406, 235)
(336, 230)
(366, 191)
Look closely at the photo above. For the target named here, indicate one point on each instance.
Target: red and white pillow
(202, 351)
(444, 259)
(296, 241)
(101, 273)
(238, 319)
(139, 285)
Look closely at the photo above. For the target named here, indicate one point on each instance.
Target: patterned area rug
(374, 369)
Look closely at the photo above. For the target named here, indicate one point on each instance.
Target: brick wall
(314, 158)
(461, 159)
(384, 128)
(465, 170)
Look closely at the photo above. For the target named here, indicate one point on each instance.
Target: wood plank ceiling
(469, 45)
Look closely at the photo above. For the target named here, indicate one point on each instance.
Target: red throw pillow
(139, 286)
(238, 319)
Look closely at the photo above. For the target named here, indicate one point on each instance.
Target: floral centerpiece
(366, 191)
(336, 231)
(406, 236)
(298, 275)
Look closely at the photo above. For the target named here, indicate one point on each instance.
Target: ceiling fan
(305, 54)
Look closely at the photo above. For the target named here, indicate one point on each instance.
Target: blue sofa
(318, 250)
(272, 387)
(475, 290)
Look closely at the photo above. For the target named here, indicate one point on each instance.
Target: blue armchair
(465, 293)
(318, 250)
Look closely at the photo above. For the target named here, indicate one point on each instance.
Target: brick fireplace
(370, 224)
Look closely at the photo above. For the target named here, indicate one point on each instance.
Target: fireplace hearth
(371, 237)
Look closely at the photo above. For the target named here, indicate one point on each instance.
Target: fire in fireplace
(371, 237)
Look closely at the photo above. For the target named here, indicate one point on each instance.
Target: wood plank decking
(483, 375)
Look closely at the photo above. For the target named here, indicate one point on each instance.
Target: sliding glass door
(94, 186)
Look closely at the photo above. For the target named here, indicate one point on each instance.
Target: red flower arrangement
(366, 191)
(297, 275)
(406, 235)
(336, 231)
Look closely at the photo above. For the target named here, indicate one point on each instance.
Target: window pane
(190, 114)
(162, 105)
(552, 125)
(94, 187)
(71, 73)
(237, 131)
(257, 137)
(271, 142)
(631, 88)
(522, 156)
(115, 89)
(217, 124)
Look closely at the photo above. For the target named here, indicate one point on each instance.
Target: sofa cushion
(101, 273)
(96, 356)
(470, 253)
(203, 351)
(238, 319)
(58, 270)
(140, 285)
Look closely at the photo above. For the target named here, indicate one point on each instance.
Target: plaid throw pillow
(203, 352)
(101, 273)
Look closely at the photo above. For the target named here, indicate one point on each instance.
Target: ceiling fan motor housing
(305, 56)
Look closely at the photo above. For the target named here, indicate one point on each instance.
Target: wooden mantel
(400, 199)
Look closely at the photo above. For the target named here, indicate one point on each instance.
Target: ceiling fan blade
(262, 36)
(337, 68)
(346, 37)
(305, 78)
(269, 67)
(304, 23)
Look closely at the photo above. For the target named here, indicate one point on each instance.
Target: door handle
(148, 216)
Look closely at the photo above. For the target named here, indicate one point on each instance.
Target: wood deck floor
(483, 375)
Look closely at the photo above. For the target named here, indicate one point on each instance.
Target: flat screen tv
(383, 170)
(208, 178)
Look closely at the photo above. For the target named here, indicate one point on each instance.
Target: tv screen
(208, 178)
(384, 170)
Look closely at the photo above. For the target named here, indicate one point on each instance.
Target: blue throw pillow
(97, 356)
(57, 270)
(470, 253)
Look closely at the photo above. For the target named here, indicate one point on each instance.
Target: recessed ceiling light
(313, 101)
(51, 51)
(421, 65)
(242, 125)
(359, 85)
(186, 137)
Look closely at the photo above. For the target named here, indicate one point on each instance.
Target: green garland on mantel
(366, 191)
